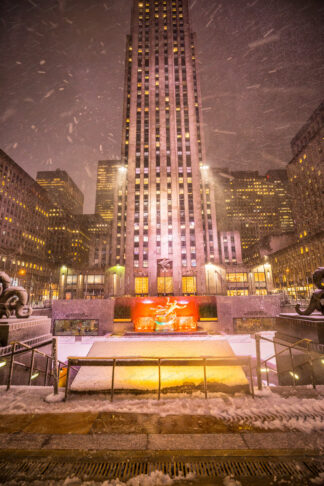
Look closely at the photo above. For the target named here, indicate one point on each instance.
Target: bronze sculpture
(317, 299)
(13, 299)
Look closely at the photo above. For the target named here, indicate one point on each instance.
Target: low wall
(13, 329)
(101, 309)
(228, 308)
(231, 307)
(296, 326)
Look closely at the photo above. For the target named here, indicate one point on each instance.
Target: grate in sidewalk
(124, 470)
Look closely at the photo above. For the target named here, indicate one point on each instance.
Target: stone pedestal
(13, 329)
(306, 361)
(296, 326)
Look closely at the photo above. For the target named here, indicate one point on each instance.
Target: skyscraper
(106, 182)
(306, 175)
(61, 190)
(165, 226)
(253, 204)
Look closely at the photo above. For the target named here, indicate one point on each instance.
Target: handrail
(31, 348)
(158, 361)
(286, 347)
(34, 350)
(294, 346)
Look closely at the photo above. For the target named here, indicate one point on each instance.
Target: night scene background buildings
(169, 219)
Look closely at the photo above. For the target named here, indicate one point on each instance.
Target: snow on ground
(96, 378)
(268, 411)
(155, 478)
(242, 344)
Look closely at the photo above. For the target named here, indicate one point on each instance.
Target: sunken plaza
(175, 335)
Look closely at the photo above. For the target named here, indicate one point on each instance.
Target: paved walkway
(101, 445)
(146, 432)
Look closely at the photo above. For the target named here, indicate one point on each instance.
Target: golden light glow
(146, 378)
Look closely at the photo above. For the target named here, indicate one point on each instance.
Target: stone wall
(229, 308)
(300, 327)
(101, 309)
(13, 329)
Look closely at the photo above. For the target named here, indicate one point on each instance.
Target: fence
(202, 361)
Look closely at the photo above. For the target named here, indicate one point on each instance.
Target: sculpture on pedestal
(317, 299)
(13, 299)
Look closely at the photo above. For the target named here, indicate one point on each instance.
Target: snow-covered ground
(267, 411)
(242, 344)
(96, 378)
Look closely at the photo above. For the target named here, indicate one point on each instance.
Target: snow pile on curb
(55, 398)
(268, 411)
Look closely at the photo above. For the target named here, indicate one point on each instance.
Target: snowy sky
(261, 70)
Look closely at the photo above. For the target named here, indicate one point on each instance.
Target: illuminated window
(259, 277)
(71, 279)
(165, 285)
(189, 285)
(141, 285)
(236, 277)
(237, 292)
(94, 279)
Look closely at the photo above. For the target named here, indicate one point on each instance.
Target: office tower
(255, 205)
(230, 247)
(306, 175)
(106, 183)
(294, 265)
(61, 190)
(165, 226)
(99, 232)
(69, 240)
(24, 210)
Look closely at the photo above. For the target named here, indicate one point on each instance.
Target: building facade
(61, 190)
(82, 283)
(230, 247)
(99, 231)
(254, 205)
(69, 240)
(306, 175)
(293, 266)
(107, 173)
(165, 224)
(24, 215)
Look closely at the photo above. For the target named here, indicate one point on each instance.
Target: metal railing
(53, 366)
(304, 345)
(202, 361)
(6, 350)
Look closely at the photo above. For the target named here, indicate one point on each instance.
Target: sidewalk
(270, 433)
